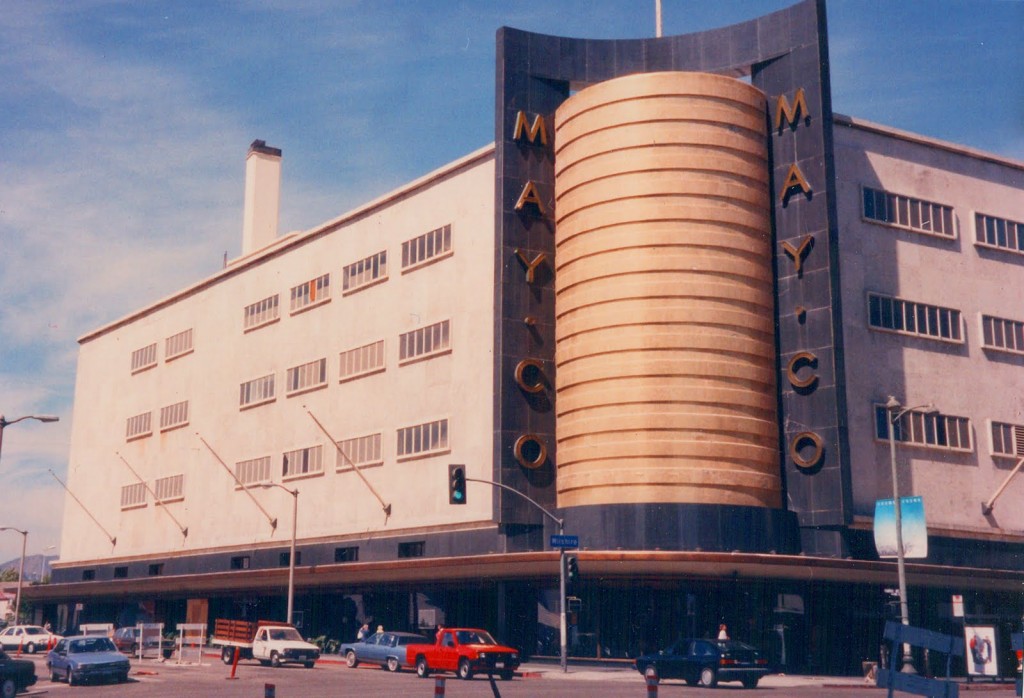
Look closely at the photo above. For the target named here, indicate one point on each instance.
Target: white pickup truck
(266, 641)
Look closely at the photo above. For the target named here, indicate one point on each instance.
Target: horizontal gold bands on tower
(663, 366)
(666, 458)
(720, 395)
(678, 418)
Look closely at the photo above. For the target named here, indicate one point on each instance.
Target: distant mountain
(36, 566)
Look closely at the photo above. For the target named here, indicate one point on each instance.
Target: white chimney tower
(262, 196)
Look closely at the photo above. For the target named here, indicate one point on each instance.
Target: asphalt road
(153, 679)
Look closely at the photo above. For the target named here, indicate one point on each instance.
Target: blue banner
(915, 531)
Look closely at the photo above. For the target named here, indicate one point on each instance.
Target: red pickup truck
(466, 651)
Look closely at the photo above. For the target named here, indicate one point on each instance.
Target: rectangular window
(170, 488)
(310, 293)
(306, 376)
(362, 450)
(361, 361)
(350, 554)
(178, 345)
(1002, 334)
(156, 569)
(425, 342)
(303, 461)
(261, 313)
(365, 272)
(175, 415)
(88, 575)
(906, 212)
(412, 549)
(257, 391)
(133, 495)
(1007, 439)
(120, 573)
(240, 562)
(140, 425)
(433, 245)
(423, 439)
(282, 558)
(253, 471)
(909, 317)
(931, 430)
(1000, 233)
(144, 358)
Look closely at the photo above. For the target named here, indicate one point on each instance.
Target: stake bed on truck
(267, 641)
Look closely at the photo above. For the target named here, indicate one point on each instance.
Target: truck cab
(282, 644)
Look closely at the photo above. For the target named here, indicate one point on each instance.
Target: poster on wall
(915, 531)
(981, 650)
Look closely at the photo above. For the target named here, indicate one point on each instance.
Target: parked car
(707, 662)
(386, 649)
(30, 638)
(15, 675)
(84, 658)
(127, 640)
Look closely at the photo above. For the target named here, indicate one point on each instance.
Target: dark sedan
(385, 649)
(15, 675)
(707, 662)
(85, 658)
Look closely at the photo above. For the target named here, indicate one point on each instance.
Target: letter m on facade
(791, 113)
(532, 133)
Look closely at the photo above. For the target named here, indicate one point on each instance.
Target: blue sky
(124, 127)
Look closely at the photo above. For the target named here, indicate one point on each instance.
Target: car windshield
(92, 644)
(285, 634)
(475, 637)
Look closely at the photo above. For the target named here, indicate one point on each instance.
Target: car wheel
(227, 655)
(507, 675)
(394, 665)
(422, 670)
(708, 677)
(465, 671)
(70, 678)
(275, 659)
(54, 676)
(750, 682)
(350, 660)
(8, 689)
(30, 648)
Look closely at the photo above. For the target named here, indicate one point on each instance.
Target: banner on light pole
(915, 531)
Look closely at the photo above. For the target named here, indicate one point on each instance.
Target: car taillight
(727, 661)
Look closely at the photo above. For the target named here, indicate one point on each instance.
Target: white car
(29, 638)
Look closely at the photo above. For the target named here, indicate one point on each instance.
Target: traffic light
(572, 570)
(456, 484)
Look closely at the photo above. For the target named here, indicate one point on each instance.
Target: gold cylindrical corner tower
(665, 346)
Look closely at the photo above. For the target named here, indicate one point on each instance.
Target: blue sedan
(86, 657)
(385, 649)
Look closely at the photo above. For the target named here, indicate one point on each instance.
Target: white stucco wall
(456, 386)
(963, 380)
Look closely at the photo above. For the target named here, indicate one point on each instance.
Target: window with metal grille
(257, 391)
(310, 293)
(423, 439)
(170, 488)
(924, 429)
(1002, 334)
(261, 313)
(140, 425)
(144, 358)
(361, 361)
(910, 317)
(178, 345)
(426, 247)
(173, 416)
(365, 272)
(303, 461)
(425, 342)
(1007, 440)
(252, 471)
(907, 212)
(361, 450)
(133, 495)
(1000, 233)
(307, 376)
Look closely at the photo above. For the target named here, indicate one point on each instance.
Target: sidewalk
(626, 673)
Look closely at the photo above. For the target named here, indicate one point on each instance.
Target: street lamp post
(291, 554)
(895, 411)
(4, 423)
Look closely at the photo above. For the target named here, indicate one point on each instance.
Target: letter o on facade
(530, 451)
(798, 442)
(530, 381)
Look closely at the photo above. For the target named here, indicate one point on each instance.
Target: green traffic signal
(456, 484)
